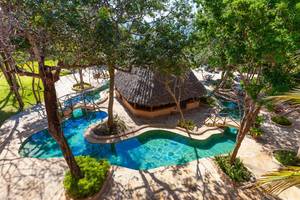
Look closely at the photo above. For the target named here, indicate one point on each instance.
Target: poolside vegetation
(94, 175)
(281, 120)
(186, 124)
(256, 130)
(236, 171)
(209, 100)
(118, 127)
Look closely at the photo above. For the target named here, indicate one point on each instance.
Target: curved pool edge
(96, 139)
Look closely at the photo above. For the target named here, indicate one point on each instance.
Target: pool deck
(31, 178)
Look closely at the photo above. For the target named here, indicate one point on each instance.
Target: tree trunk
(298, 153)
(175, 100)
(250, 114)
(11, 80)
(110, 121)
(37, 100)
(81, 79)
(54, 125)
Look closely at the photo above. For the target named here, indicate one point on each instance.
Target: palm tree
(284, 178)
(293, 97)
(278, 181)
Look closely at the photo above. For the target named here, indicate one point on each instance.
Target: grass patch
(8, 103)
(237, 171)
(287, 157)
(281, 120)
(94, 173)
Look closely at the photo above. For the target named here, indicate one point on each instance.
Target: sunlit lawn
(8, 104)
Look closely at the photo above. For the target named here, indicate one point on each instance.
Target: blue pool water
(88, 97)
(231, 109)
(149, 150)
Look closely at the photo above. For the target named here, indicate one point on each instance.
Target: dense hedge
(94, 173)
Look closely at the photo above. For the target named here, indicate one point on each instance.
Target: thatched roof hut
(146, 90)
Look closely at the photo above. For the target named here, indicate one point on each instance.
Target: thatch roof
(146, 88)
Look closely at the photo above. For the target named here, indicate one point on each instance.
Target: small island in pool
(149, 150)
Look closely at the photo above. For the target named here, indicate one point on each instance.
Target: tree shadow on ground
(277, 137)
(187, 183)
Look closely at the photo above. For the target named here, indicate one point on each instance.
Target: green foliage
(287, 157)
(94, 173)
(254, 37)
(281, 120)
(187, 124)
(278, 181)
(259, 120)
(256, 132)
(209, 101)
(77, 86)
(236, 171)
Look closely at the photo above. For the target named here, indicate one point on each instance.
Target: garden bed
(95, 181)
(77, 87)
(281, 121)
(286, 157)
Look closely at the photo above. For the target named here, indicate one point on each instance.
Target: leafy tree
(44, 26)
(164, 48)
(108, 32)
(254, 38)
(6, 61)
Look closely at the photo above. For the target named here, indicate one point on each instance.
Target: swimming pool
(231, 109)
(88, 97)
(149, 150)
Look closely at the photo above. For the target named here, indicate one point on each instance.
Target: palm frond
(278, 181)
(293, 96)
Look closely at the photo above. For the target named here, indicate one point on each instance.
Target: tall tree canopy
(256, 38)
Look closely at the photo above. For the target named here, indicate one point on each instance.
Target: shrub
(287, 157)
(256, 132)
(187, 124)
(94, 175)
(77, 86)
(258, 121)
(281, 120)
(237, 171)
(209, 101)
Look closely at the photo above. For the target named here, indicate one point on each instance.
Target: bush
(94, 175)
(256, 132)
(281, 120)
(77, 86)
(258, 121)
(287, 157)
(187, 124)
(237, 171)
(209, 101)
